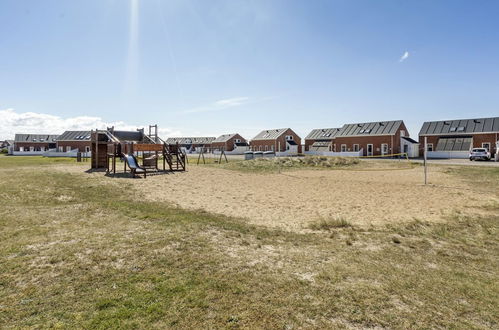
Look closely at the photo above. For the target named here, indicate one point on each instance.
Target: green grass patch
(33, 161)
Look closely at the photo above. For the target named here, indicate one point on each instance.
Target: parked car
(479, 153)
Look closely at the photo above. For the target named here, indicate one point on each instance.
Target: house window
(68, 148)
(402, 133)
(384, 149)
(31, 148)
(343, 148)
(21, 149)
(429, 147)
(87, 149)
(289, 137)
(61, 148)
(42, 148)
(486, 145)
(355, 147)
(238, 140)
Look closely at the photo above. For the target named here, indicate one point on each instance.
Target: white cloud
(404, 56)
(233, 102)
(221, 105)
(12, 122)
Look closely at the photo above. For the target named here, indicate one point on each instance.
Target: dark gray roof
(323, 134)
(408, 139)
(74, 136)
(7, 142)
(370, 129)
(241, 144)
(224, 137)
(291, 142)
(191, 140)
(35, 138)
(270, 134)
(460, 126)
(132, 136)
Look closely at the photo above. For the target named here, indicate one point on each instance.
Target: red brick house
(374, 139)
(228, 142)
(33, 144)
(74, 140)
(278, 140)
(455, 138)
(321, 139)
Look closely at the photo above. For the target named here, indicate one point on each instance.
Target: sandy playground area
(292, 200)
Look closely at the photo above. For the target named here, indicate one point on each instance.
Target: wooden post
(425, 160)
(114, 158)
(96, 148)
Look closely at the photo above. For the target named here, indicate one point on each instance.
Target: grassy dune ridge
(83, 251)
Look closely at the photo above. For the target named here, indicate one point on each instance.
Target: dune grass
(329, 223)
(272, 165)
(80, 251)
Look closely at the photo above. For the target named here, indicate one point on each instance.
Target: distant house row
(33, 144)
(445, 139)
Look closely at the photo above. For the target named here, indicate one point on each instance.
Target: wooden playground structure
(139, 152)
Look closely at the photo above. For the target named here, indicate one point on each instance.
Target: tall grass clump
(330, 223)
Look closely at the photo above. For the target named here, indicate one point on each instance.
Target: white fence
(359, 153)
(55, 153)
(52, 153)
(237, 151)
(28, 153)
(286, 154)
(448, 154)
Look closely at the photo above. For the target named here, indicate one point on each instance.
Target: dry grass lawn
(81, 250)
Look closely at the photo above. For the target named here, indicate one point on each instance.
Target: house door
(384, 149)
(370, 149)
(406, 148)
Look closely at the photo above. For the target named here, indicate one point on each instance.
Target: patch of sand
(293, 200)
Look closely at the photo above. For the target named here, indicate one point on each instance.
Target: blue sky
(214, 67)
